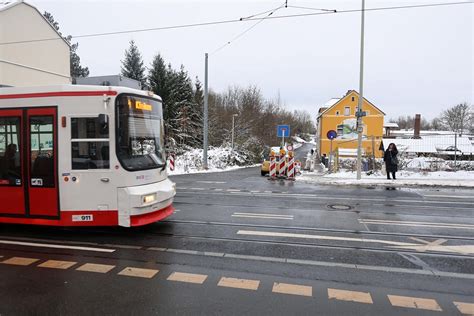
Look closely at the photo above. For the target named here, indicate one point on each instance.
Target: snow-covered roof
(331, 102)
(4, 5)
(390, 124)
(432, 144)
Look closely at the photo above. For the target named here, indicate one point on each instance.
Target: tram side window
(89, 144)
(10, 162)
(42, 151)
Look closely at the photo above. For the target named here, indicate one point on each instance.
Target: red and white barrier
(272, 167)
(282, 166)
(291, 167)
(171, 161)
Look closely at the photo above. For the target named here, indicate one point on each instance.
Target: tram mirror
(103, 123)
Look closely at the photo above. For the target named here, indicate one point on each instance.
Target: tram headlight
(150, 198)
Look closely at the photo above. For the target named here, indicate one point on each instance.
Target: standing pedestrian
(391, 160)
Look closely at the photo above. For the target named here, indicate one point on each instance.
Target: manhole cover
(340, 207)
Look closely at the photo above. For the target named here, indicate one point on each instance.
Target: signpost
(331, 134)
(283, 131)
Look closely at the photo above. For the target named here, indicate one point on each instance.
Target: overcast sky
(416, 60)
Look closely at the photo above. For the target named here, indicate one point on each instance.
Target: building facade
(25, 60)
(339, 115)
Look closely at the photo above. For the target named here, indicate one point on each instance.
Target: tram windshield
(139, 133)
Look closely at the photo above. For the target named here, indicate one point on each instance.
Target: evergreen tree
(132, 66)
(75, 61)
(157, 77)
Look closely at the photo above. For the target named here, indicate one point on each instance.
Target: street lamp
(233, 125)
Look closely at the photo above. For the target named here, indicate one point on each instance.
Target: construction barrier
(291, 166)
(282, 164)
(272, 166)
(171, 159)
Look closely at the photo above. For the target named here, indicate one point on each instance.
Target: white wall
(22, 23)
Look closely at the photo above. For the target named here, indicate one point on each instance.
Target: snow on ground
(219, 159)
(298, 139)
(404, 178)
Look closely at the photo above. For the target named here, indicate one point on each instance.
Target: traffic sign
(331, 134)
(289, 147)
(283, 130)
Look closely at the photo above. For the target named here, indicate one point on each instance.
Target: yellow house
(339, 115)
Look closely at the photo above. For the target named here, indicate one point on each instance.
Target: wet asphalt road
(240, 244)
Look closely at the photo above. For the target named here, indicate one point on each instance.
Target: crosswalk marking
(94, 267)
(351, 296)
(57, 264)
(294, 289)
(239, 283)
(414, 302)
(139, 272)
(20, 261)
(465, 308)
(187, 277)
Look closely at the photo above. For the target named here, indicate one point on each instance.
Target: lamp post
(233, 125)
(361, 94)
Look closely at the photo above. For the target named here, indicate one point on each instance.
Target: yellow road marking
(239, 283)
(139, 272)
(56, 264)
(94, 267)
(293, 289)
(20, 261)
(351, 296)
(187, 277)
(465, 308)
(414, 302)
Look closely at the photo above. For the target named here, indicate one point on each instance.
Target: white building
(25, 61)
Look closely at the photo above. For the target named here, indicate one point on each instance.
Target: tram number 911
(82, 218)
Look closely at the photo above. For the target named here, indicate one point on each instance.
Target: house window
(347, 111)
(367, 113)
(353, 99)
(340, 130)
(89, 144)
(337, 112)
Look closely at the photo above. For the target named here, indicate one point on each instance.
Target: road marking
(293, 289)
(254, 191)
(216, 182)
(465, 308)
(308, 236)
(262, 215)
(139, 272)
(239, 283)
(94, 267)
(449, 196)
(416, 224)
(351, 296)
(218, 189)
(198, 189)
(187, 277)
(57, 264)
(414, 302)
(233, 190)
(42, 245)
(20, 261)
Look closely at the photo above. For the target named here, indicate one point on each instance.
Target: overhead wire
(181, 26)
(268, 12)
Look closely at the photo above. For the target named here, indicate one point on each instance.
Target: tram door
(28, 162)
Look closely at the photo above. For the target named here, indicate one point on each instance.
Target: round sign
(289, 147)
(331, 134)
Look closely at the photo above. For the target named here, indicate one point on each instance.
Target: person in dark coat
(391, 160)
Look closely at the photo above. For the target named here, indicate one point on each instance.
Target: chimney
(416, 133)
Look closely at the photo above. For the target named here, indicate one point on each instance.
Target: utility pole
(206, 127)
(361, 95)
(233, 126)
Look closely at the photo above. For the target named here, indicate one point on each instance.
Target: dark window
(89, 144)
(353, 99)
(42, 151)
(10, 157)
(340, 130)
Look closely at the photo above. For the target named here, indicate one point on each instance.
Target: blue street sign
(331, 134)
(283, 130)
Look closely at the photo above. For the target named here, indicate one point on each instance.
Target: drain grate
(340, 207)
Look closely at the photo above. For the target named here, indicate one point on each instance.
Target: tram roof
(68, 90)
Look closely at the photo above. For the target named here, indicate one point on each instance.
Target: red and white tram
(75, 155)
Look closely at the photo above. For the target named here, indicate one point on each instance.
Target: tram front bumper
(145, 204)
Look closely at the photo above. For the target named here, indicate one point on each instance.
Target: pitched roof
(335, 101)
(5, 5)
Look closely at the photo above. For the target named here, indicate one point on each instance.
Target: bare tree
(458, 118)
